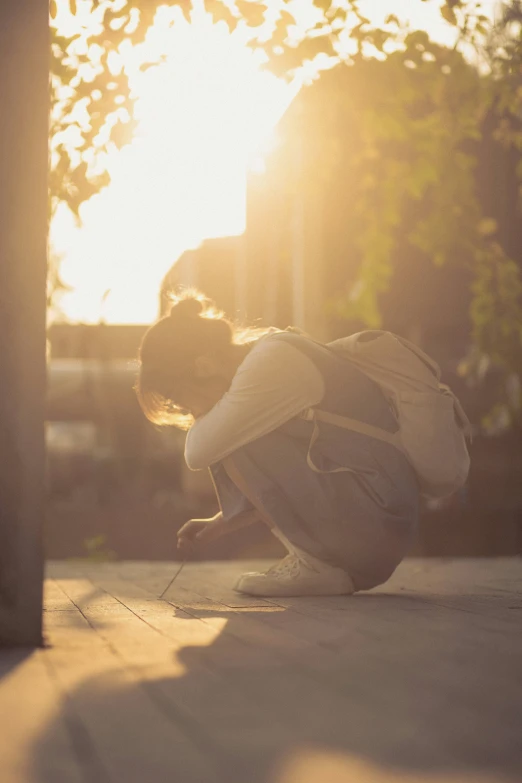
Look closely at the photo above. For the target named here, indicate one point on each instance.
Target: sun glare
(202, 115)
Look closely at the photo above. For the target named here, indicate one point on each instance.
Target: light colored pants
(363, 524)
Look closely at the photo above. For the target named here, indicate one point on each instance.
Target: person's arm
(275, 383)
(222, 525)
(196, 532)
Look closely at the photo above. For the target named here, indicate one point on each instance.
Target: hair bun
(187, 308)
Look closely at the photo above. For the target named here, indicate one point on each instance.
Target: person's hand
(196, 532)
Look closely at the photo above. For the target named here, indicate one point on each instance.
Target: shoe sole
(293, 592)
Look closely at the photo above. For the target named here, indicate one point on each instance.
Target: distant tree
(496, 307)
(405, 129)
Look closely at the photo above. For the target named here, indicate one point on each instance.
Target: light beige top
(274, 383)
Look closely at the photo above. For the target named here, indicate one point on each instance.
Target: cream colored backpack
(433, 427)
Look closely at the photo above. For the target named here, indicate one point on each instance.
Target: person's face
(199, 395)
(199, 398)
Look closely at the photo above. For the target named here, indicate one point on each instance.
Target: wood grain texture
(419, 681)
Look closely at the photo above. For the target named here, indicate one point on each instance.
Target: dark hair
(168, 352)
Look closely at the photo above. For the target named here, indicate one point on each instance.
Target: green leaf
(221, 13)
(449, 15)
(280, 32)
(287, 18)
(121, 134)
(252, 12)
(378, 38)
(324, 5)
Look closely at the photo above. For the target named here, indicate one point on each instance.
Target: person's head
(187, 362)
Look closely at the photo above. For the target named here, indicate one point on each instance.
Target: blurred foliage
(91, 100)
(90, 92)
(96, 550)
(410, 117)
(496, 306)
(405, 130)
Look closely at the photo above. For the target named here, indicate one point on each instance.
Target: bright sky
(202, 116)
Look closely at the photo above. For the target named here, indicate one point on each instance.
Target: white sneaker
(292, 576)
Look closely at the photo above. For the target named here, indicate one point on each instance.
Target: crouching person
(344, 504)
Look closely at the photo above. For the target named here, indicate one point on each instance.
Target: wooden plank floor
(419, 681)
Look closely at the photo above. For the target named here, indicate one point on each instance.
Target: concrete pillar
(24, 110)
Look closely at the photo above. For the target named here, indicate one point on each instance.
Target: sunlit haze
(202, 115)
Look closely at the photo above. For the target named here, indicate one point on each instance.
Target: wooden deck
(419, 681)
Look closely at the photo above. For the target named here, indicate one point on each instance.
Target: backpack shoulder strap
(315, 415)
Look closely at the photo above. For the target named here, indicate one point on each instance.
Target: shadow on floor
(432, 698)
(11, 658)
